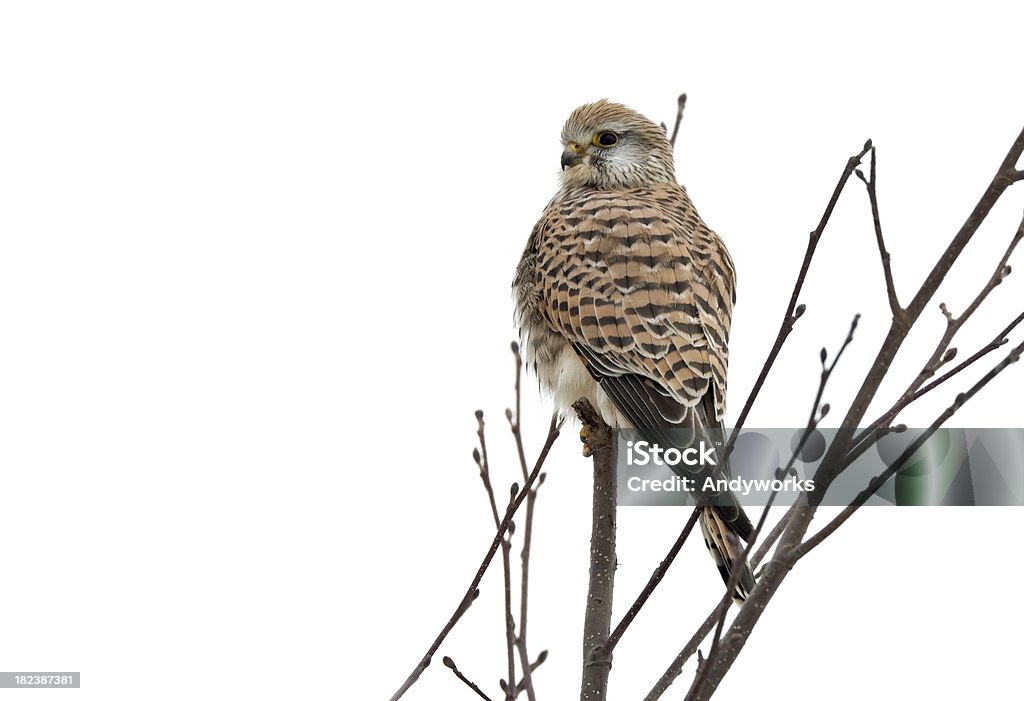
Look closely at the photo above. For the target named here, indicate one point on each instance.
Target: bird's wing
(643, 291)
(638, 284)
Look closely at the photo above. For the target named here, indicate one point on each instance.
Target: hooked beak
(572, 155)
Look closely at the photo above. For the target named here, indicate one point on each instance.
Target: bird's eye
(606, 139)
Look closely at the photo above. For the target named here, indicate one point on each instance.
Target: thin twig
(533, 667)
(676, 667)
(480, 457)
(998, 275)
(818, 412)
(999, 341)
(652, 583)
(776, 571)
(794, 312)
(716, 616)
(472, 591)
(884, 477)
(506, 545)
(524, 657)
(890, 286)
(680, 106)
(510, 624)
(834, 461)
(450, 664)
(721, 611)
(531, 498)
(862, 440)
(942, 353)
(773, 535)
(693, 644)
(877, 435)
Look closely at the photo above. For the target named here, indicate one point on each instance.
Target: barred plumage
(624, 297)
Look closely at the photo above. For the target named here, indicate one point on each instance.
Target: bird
(624, 297)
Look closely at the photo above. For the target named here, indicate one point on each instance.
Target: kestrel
(624, 297)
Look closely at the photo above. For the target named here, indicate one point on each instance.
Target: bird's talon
(585, 439)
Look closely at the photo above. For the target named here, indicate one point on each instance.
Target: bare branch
(680, 106)
(464, 605)
(884, 477)
(722, 610)
(698, 689)
(942, 353)
(531, 497)
(597, 623)
(676, 668)
(524, 656)
(716, 617)
(775, 572)
(874, 437)
(882, 421)
(794, 312)
(540, 660)
(835, 458)
(1000, 340)
(533, 667)
(890, 287)
(795, 523)
(472, 592)
(771, 577)
(506, 545)
(450, 664)
(834, 461)
(769, 540)
(652, 583)
(510, 624)
(998, 275)
(693, 644)
(480, 457)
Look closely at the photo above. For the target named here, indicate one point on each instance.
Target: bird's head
(608, 145)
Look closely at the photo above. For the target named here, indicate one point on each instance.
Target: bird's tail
(727, 549)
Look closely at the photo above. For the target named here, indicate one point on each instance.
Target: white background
(254, 280)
